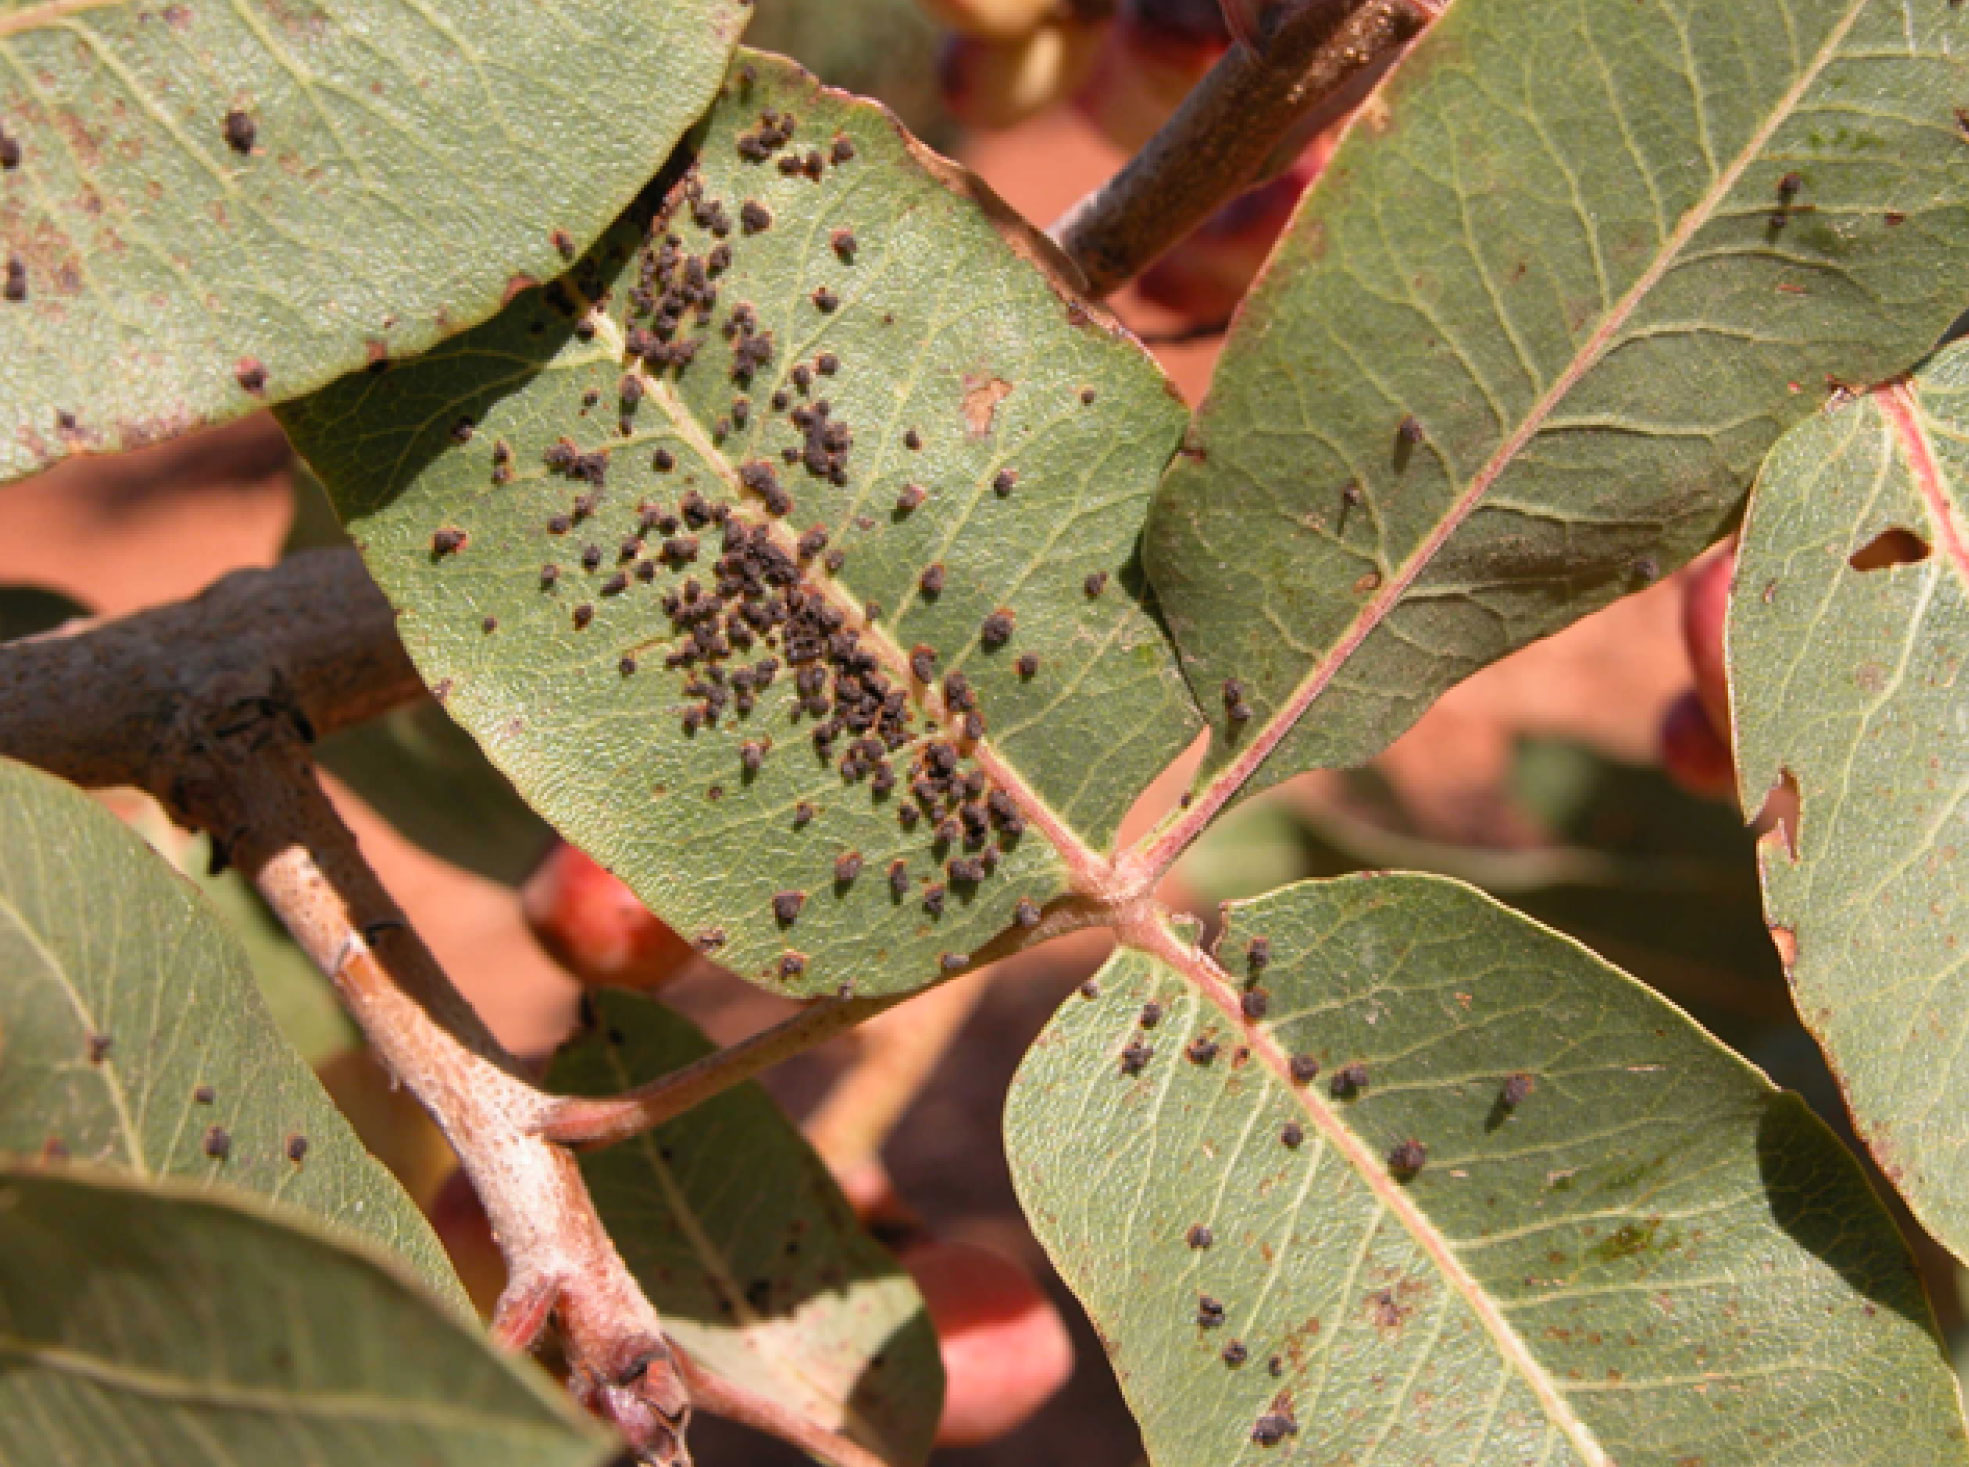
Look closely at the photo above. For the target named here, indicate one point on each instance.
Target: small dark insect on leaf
(752, 755)
(1087, 395)
(297, 1148)
(933, 900)
(583, 614)
(563, 243)
(1201, 1050)
(1234, 1354)
(1405, 1158)
(1095, 584)
(754, 217)
(447, 542)
(1255, 1003)
(204, 1094)
(1209, 1312)
(1409, 429)
(792, 964)
(1027, 665)
(786, 906)
(549, 574)
(16, 286)
(1135, 1057)
(996, 629)
(1516, 1090)
(1026, 914)
(1258, 954)
(663, 460)
(1091, 989)
(1348, 1081)
(99, 1048)
(10, 151)
(1292, 1135)
(1646, 569)
(842, 151)
(843, 241)
(911, 496)
(217, 1143)
(827, 364)
(1274, 1427)
(559, 524)
(1151, 1015)
(1789, 185)
(898, 880)
(1303, 1068)
(626, 665)
(240, 131)
(803, 814)
(1005, 482)
(932, 580)
(251, 375)
(1199, 1236)
(826, 301)
(954, 962)
(923, 663)
(616, 584)
(847, 866)
(912, 440)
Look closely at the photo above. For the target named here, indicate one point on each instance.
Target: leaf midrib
(1210, 981)
(35, 17)
(1086, 867)
(1378, 607)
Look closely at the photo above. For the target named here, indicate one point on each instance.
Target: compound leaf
(1524, 345)
(204, 208)
(649, 580)
(1636, 1251)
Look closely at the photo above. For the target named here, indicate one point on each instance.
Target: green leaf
(152, 1323)
(1652, 1257)
(887, 288)
(218, 206)
(132, 1034)
(421, 772)
(1569, 275)
(1846, 683)
(793, 1299)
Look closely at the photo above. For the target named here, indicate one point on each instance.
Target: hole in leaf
(1897, 546)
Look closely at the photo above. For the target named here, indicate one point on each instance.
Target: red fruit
(460, 1223)
(1705, 607)
(1206, 275)
(1692, 752)
(1005, 1348)
(593, 925)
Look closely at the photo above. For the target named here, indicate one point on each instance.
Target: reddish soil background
(119, 534)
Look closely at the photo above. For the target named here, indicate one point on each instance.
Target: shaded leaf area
(1528, 338)
(414, 766)
(1846, 635)
(1660, 882)
(791, 1298)
(159, 1325)
(885, 49)
(26, 611)
(132, 1034)
(1634, 1251)
(813, 544)
(204, 208)
(299, 998)
(421, 772)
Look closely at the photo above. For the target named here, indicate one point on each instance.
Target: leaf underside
(1652, 1257)
(1847, 681)
(142, 1325)
(876, 300)
(1524, 345)
(133, 1035)
(393, 173)
(793, 1299)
